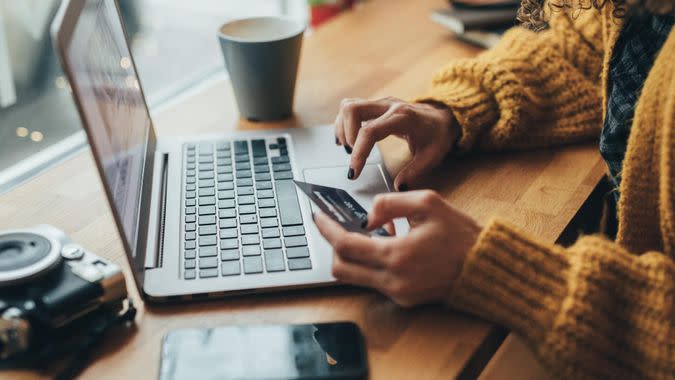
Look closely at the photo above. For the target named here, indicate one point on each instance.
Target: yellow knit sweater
(598, 309)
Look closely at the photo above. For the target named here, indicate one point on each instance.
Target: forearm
(590, 311)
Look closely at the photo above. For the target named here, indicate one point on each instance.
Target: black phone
(251, 352)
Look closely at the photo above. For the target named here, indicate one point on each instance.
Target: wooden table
(384, 47)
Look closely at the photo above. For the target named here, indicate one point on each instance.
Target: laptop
(200, 216)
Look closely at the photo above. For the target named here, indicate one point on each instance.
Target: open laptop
(203, 215)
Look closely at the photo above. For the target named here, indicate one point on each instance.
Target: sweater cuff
(474, 109)
(511, 279)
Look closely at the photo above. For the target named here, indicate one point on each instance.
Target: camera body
(47, 285)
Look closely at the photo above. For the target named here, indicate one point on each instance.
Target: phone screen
(252, 352)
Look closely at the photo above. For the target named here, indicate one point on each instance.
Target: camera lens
(20, 250)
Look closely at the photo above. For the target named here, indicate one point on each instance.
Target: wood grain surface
(384, 47)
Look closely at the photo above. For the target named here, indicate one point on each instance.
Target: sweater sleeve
(589, 311)
(530, 90)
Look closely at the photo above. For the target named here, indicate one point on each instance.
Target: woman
(600, 308)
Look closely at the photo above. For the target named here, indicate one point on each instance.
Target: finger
(356, 112)
(349, 246)
(421, 163)
(391, 229)
(355, 274)
(388, 124)
(338, 130)
(395, 205)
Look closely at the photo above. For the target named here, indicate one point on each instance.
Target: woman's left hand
(417, 268)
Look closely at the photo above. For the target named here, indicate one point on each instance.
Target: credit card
(340, 206)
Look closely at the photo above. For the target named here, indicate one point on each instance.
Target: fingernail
(337, 141)
(350, 173)
(364, 224)
(403, 187)
(348, 149)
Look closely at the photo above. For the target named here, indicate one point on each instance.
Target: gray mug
(261, 55)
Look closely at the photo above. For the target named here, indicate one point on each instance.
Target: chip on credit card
(340, 206)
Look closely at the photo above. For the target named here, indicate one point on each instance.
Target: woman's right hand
(430, 130)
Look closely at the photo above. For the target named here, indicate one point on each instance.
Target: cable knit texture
(598, 309)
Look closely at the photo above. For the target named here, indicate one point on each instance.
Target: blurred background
(173, 42)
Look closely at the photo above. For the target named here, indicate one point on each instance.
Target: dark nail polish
(348, 149)
(403, 187)
(350, 173)
(337, 141)
(364, 224)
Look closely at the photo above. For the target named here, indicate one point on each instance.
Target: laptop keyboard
(241, 214)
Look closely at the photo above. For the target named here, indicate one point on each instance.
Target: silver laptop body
(203, 215)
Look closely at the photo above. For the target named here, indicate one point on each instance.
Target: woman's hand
(417, 268)
(430, 131)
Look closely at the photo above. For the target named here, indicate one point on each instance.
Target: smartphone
(255, 352)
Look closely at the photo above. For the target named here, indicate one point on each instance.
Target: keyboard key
(227, 213)
(208, 262)
(274, 260)
(205, 175)
(297, 252)
(270, 233)
(283, 175)
(205, 147)
(246, 190)
(244, 182)
(268, 222)
(190, 194)
(206, 167)
(267, 212)
(190, 173)
(206, 183)
(228, 233)
(263, 177)
(207, 240)
(226, 194)
(208, 230)
(190, 210)
(289, 208)
(240, 146)
(249, 229)
(274, 146)
(206, 192)
(266, 203)
(228, 223)
(190, 166)
(283, 151)
(251, 250)
(190, 254)
(230, 268)
(190, 274)
(208, 251)
(265, 185)
(190, 244)
(265, 194)
(190, 202)
(203, 201)
(259, 160)
(229, 254)
(226, 203)
(207, 210)
(271, 243)
(190, 187)
(248, 219)
(258, 148)
(224, 162)
(190, 218)
(261, 169)
(247, 209)
(223, 146)
(204, 159)
(226, 186)
(206, 273)
(224, 169)
(190, 147)
(190, 227)
(229, 243)
(281, 167)
(280, 160)
(244, 174)
(225, 177)
(295, 241)
(294, 231)
(243, 166)
(207, 219)
(299, 264)
(246, 200)
(253, 264)
(281, 141)
(190, 235)
(241, 158)
(250, 239)
(191, 160)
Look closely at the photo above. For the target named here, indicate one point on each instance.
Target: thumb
(397, 205)
(420, 164)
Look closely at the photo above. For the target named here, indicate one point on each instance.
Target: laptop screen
(112, 104)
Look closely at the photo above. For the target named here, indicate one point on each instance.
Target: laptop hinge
(155, 259)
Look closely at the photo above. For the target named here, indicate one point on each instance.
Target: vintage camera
(52, 290)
